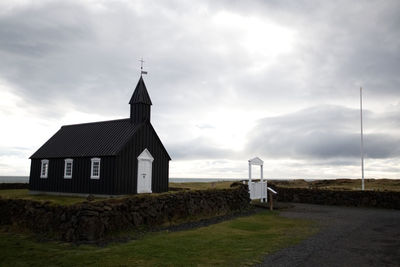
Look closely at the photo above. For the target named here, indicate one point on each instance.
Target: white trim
(44, 167)
(66, 162)
(145, 155)
(92, 175)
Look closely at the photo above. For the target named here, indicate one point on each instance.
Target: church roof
(140, 95)
(105, 138)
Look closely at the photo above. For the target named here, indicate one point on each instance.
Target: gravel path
(349, 237)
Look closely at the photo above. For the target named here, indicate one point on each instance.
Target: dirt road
(349, 237)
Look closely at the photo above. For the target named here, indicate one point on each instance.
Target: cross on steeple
(141, 67)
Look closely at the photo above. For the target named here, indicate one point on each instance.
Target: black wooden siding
(127, 163)
(140, 113)
(80, 181)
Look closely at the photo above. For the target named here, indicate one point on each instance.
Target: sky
(229, 81)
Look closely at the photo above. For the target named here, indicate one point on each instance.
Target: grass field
(236, 242)
(199, 185)
(334, 184)
(342, 184)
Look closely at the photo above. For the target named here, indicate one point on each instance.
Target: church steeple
(140, 103)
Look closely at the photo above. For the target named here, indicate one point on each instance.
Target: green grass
(237, 242)
(24, 194)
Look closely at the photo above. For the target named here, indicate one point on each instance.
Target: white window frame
(92, 176)
(66, 162)
(46, 170)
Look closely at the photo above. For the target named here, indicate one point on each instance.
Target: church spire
(140, 103)
(140, 95)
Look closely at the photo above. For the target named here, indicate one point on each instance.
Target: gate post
(249, 172)
(262, 185)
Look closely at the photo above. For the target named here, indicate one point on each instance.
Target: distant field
(342, 184)
(337, 184)
(202, 185)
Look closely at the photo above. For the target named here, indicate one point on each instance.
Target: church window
(95, 169)
(44, 168)
(68, 168)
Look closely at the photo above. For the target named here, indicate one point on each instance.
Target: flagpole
(362, 142)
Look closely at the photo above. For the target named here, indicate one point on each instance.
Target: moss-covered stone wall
(14, 186)
(377, 199)
(91, 221)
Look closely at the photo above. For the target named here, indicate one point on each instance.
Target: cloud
(321, 132)
(199, 148)
(13, 151)
(286, 72)
(205, 126)
(340, 47)
(84, 54)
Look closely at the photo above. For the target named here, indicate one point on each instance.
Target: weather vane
(141, 67)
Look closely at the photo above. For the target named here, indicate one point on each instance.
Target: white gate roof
(145, 155)
(256, 161)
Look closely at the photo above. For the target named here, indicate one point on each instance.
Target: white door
(144, 177)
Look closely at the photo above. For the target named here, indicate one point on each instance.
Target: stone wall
(378, 199)
(14, 186)
(91, 221)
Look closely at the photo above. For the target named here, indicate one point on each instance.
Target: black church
(114, 157)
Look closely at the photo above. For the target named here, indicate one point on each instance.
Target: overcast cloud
(229, 80)
(323, 132)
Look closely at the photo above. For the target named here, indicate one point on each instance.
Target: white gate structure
(258, 190)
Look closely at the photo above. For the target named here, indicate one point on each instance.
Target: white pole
(262, 185)
(250, 185)
(266, 188)
(249, 173)
(362, 143)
